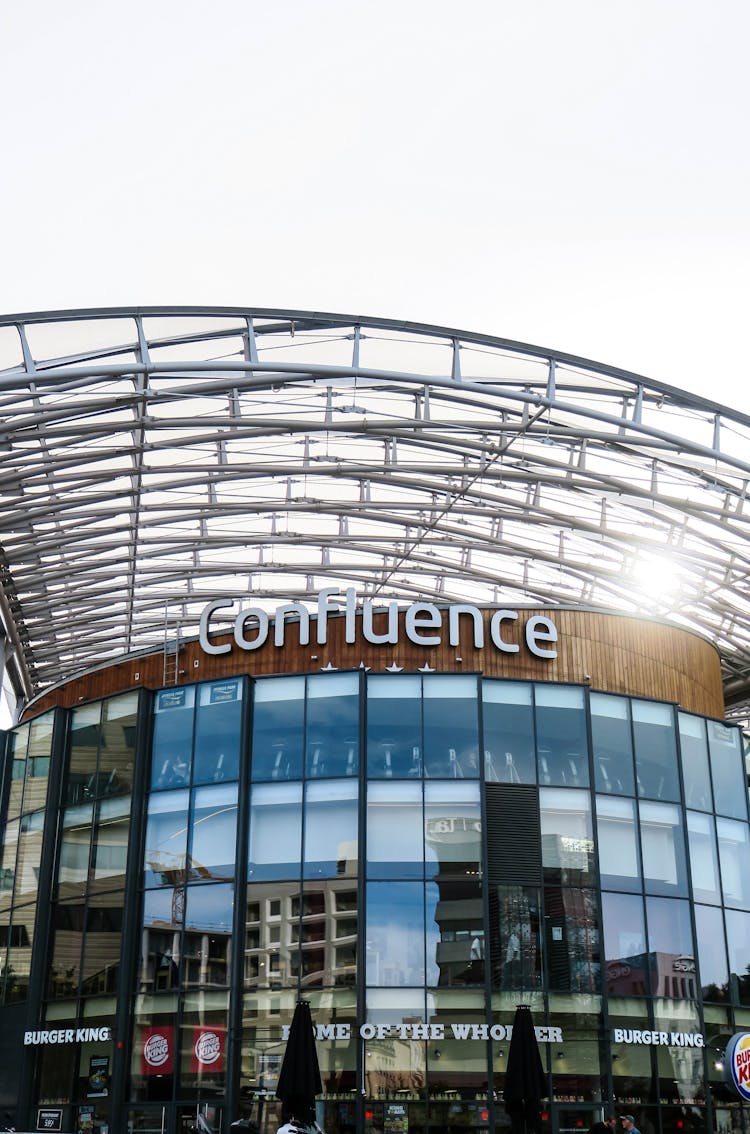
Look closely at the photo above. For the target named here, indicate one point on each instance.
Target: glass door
(575, 1118)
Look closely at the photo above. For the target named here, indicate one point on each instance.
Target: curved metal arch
(430, 463)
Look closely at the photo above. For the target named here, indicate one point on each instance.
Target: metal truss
(152, 459)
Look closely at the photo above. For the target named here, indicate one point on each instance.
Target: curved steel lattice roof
(152, 459)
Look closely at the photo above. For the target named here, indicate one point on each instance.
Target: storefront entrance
(412, 1117)
(205, 1118)
(575, 1118)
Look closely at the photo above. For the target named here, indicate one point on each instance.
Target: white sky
(573, 174)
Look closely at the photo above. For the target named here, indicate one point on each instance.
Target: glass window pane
(117, 749)
(612, 742)
(680, 1070)
(8, 862)
(83, 746)
(278, 727)
(395, 830)
(65, 964)
(389, 1067)
(101, 950)
(217, 731)
(209, 907)
(207, 939)
(154, 1016)
(562, 746)
(20, 940)
(206, 944)
(734, 857)
(515, 947)
(161, 906)
(19, 742)
(694, 751)
(213, 834)
(173, 737)
(655, 751)
(456, 909)
(165, 853)
(712, 953)
(333, 725)
(704, 866)
(453, 829)
(394, 727)
(572, 938)
(567, 836)
(670, 944)
(451, 727)
(37, 769)
(272, 934)
(203, 1029)
(275, 831)
(4, 939)
(738, 947)
(331, 818)
(662, 849)
(329, 934)
(625, 951)
(431, 932)
(508, 721)
(29, 856)
(111, 844)
(619, 865)
(75, 847)
(395, 934)
(727, 770)
(161, 948)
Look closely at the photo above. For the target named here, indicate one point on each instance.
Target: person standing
(603, 1126)
(629, 1125)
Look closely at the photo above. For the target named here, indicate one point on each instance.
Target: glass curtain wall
(181, 1013)
(27, 767)
(362, 885)
(84, 958)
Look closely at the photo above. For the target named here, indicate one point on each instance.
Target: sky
(573, 174)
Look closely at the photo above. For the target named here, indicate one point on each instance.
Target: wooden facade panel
(608, 652)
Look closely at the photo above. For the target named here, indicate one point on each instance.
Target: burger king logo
(737, 1064)
(156, 1050)
(207, 1048)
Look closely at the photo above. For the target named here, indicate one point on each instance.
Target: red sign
(157, 1052)
(208, 1049)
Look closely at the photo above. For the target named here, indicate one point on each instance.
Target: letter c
(496, 622)
(206, 615)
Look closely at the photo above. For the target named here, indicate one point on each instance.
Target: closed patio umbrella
(525, 1080)
(299, 1078)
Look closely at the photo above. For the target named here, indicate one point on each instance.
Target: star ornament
(393, 668)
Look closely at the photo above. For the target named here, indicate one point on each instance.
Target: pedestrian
(294, 1125)
(629, 1125)
(603, 1126)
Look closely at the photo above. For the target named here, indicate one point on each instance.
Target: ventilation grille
(514, 838)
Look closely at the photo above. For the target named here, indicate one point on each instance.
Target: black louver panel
(514, 839)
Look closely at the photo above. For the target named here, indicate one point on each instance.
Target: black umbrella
(299, 1078)
(525, 1080)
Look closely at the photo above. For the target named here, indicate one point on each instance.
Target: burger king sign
(737, 1064)
(156, 1052)
(208, 1049)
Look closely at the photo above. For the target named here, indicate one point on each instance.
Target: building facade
(417, 822)
(393, 666)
